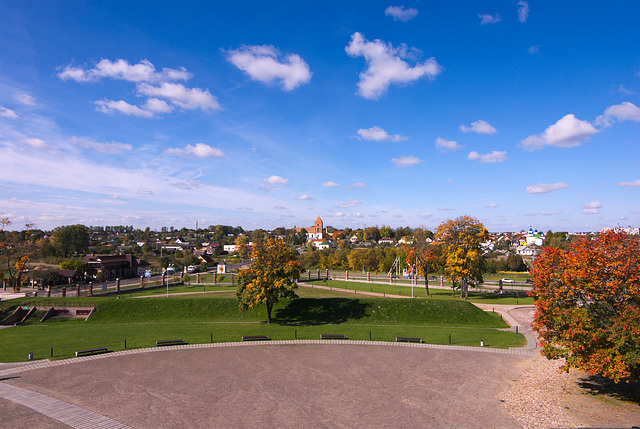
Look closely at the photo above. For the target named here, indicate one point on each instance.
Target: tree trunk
(426, 285)
(269, 308)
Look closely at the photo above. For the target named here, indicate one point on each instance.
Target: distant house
(115, 266)
(206, 259)
(386, 241)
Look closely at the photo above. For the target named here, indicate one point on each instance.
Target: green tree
(16, 249)
(72, 239)
(271, 275)
(74, 264)
(588, 304)
(460, 241)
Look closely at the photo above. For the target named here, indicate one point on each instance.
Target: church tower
(318, 226)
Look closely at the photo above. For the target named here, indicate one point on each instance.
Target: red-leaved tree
(588, 305)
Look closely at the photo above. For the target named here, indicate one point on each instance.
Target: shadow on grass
(598, 385)
(320, 311)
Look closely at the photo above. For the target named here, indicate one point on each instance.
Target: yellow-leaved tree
(272, 275)
(459, 240)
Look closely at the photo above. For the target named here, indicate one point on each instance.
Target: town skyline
(366, 114)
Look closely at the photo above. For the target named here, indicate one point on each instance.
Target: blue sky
(365, 113)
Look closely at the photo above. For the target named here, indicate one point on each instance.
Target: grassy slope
(198, 318)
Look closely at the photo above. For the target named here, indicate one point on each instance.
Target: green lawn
(434, 293)
(199, 318)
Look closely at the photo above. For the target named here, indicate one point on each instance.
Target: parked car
(506, 280)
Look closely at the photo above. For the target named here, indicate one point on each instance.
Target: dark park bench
(91, 351)
(169, 343)
(332, 337)
(254, 338)
(409, 339)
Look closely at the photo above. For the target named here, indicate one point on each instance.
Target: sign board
(104, 286)
(147, 273)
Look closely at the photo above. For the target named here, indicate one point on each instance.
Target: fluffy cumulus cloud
(489, 158)
(164, 94)
(400, 13)
(489, 19)
(592, 207)
(523, 11)
(275, 180)
(635, 183)
(625, 111)
(535, 49)
(406, 161)
(200, 150)
(121, 69)
(331, 184)
(567, 132)
(445, 145)
(111, 106)
(265, 64)
(386, 65)
(7, 113)
(351, 203)
(181, 96)
(110, 148)
(379, 134)
(545, 188)
(303, 197)
(479, 126)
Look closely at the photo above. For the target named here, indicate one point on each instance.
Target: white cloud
(489, 158)
(489, 19)
(625, 111)
(357, 215)
(25, 99)
(379, 134)
(110, 106)
(426, 215)
(145, 191)
(445, 209)
(113, 147)
(7, 113)
(263, 63)
(181, 96)
(406, 161)
(447, 144)
(386, 65)
(635, 183)
(351, 203)
(200, 150)
(120, 69)
(400, 13)
(331, 184)
(523, 11)
(357, 185)
(158, 106)
(623, 90)
(492, 205)
(35, 142)
(535, 49)
(275, 180)
(545, 188)
(567, 132)
(245, 208)
(592, 205)
(303, 197)
(480, 127)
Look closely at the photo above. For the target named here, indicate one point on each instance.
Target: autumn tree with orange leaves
(16, 249)
(422, 257)
(588, 305)
(459, 240)
(271, 275)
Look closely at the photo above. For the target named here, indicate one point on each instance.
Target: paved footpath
(66, 413)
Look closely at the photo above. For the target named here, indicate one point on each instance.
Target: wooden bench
(254, 338)
(92, 351)
(169, 343)
(332, 337)
(409, 339)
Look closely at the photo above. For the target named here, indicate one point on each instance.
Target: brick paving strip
(68, 414)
